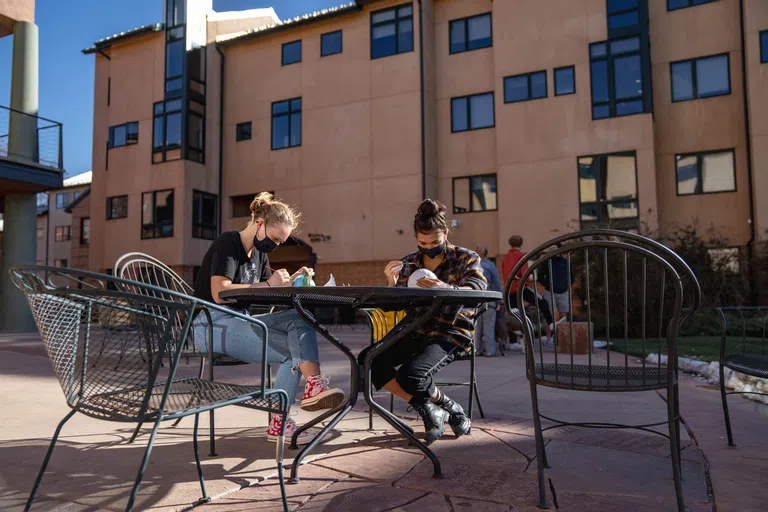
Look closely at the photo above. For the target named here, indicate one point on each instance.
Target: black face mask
(266, 244)
(434, 252)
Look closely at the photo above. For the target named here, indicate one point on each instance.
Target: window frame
(62, 233)
(198, 228)
(240, 135)
(572, 68)
(67, 200)
(282, 52)
(470, 177)
(690, 4)
(466, 20)
(154, 223)
(128, 141)
(396, 22)
(468, 98)
(85, 240)
(609, 58)
(109, 207)
(528, 77)
(699, 160)
(623, 223)
(619, 12)
(332, 33)
(694, 80)
(763, 34)
(164, 115)
(287, 114)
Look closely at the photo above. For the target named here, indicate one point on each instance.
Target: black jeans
(529, 296)
(418, 359)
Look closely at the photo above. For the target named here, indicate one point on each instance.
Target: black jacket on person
(559, 275)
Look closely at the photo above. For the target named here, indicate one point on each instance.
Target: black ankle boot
(434, 419)
(458, 420)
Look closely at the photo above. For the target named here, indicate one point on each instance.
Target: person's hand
(392, 271)
(303, 270)
(280, 278)
(428, 282)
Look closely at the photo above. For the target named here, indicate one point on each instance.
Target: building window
(392, 31)
(470, 33)
(764, 47)
(291, 52)
(530, 86)
(617, 78)
(85, 231)
(673, 5)
(725, 259)
(286, 124)
(63, 233)
(706, 173)
(60, 263)
(117, 207)
(40, 233)
(166, 131)
(623, 13)
(241, 205)
(204, 215)
(62, 200)
(243, 131)
(474, 194)
(123, 135)
(704, 77)
(157, 214)
(42, 200)
(565, 81)
(330, 43)
(608, 191)
(473, 112)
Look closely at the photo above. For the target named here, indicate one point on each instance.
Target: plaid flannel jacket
(460, 267)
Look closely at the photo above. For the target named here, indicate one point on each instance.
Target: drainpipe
(423, 125)
(221, 139)
(748, 133)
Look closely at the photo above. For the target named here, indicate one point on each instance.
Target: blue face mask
(434, 252)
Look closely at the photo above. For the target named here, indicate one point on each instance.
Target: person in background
(558, 286)
(530, 295)
(485, 329)
(237, 260)
(406, 369)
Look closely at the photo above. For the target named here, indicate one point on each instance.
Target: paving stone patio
(493, 469)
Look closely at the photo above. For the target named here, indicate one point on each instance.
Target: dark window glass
(157, 214)
(565, 81)
(621, 5)
(472, 112)
(158, 136)
(195, 132)
(608, 191)
(117, 207)
(85, 231)
(704, 77)
(681, 4)
(525, 87)
(174, 58)
(627, 77)
(470, 33)
(627, 19)
(764, 46)
(286, 124)
(63, 234)
(617, 81)
(475, 194)
(291, 53)
(175, 15)
(118, 136)
(391, 31)
(62, 200)
(196, 64)
(243, 131)
(706, 173)
(123, 134)
(330, 43)
(204, 208)
(173, 130)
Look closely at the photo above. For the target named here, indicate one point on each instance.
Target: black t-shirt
(227, 258)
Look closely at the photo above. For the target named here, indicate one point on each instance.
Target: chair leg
(143, 467)
(541, 456)
(471, 383)
(135, 433)
(280, 448)
(205, 498)
(724, 397)
(674, 424)
(47, 459)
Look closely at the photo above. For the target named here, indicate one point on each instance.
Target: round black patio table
(419, 303)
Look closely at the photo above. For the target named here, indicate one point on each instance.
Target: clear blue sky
(66, 75)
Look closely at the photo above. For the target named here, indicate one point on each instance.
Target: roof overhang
(106, 43)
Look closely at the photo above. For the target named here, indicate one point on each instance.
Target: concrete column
(20, 215)
(22, 134)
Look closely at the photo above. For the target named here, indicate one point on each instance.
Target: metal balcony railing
(45, 150)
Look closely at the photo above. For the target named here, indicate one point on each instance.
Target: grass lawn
(703, 348)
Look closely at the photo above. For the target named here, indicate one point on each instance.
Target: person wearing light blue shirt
(485, 330)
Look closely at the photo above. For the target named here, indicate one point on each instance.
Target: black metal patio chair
(744, 354)
(632, 291)
(73, 319)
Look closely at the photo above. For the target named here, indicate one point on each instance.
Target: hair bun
(260, 200)
(430, 208)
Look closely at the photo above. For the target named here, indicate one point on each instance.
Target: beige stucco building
(522, 118)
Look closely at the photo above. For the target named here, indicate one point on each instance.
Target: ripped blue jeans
(291, 342)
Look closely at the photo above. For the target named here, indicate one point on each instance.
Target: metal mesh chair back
(627, 296)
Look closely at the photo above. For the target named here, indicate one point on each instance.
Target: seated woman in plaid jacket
(406, 369)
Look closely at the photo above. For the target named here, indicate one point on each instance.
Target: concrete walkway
(493, 469)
